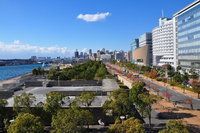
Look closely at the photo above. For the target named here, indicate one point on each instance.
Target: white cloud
(16, 49)
(93, 17)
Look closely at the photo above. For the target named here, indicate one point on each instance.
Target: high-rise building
(90, 52)
(143, 54)
(33, 58)
(81, 55)
(187, 32)
(145, 39)
(76, 54)
(103, 50)
(119, 55)
(163, 43)
(127, 55)
(134, 45)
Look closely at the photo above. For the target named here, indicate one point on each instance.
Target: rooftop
(40, 93)
(187, 7)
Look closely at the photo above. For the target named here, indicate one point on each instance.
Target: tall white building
(163, 43)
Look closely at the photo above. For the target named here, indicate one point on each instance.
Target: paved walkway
(175, 95)
(180, 98)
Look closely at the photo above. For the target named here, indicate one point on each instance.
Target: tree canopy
(130, 125)
(3, 102)
(23, 102)
(26, 123)
(53, 102)
(196, 87)
(119, 103)
(88, 71)
(175, 126)
(71, 120)
(86, 98)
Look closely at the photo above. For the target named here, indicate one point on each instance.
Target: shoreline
(14, 79)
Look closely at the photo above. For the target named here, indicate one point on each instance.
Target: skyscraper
(145, 39)
(90, 52)
(187, 32)
(134, 45)
(163, 43)
(76, 54)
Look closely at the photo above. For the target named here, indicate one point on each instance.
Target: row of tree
(122, 105)
(124, 102)
(33, 120)
(38, 71)
(88, 71)
(167, 74)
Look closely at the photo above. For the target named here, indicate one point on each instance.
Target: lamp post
(122, 118)
(58, 80)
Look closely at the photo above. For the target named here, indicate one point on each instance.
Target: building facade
(119, 55)
(76, 54)
(143, 54)
(134, 45)
(187, 32)
(163, 43)
(145, 39)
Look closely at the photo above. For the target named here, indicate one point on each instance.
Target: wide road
(177, 97)
(174, 96)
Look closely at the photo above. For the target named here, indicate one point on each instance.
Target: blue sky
(58, 27)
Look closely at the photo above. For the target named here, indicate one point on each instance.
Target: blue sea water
(7, 72)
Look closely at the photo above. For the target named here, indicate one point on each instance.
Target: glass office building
(134, 45)
(187, 31)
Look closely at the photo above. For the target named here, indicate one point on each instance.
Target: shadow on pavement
(173, 115)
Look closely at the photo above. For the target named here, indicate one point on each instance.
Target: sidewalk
(174, 88)
(167, 111)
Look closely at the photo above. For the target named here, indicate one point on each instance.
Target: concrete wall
(125, 81)
(143, 55)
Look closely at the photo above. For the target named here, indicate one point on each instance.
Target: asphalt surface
(177, 97)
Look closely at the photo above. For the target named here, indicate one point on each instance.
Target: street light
(122, 117)
(58, 80)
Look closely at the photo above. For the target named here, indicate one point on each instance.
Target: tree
(148, 100)
(53, 102)
(71, 120)
(169, 70)
(3, 113)
(23, 102)
(136, 90)
(35, 72)
(196, 87)
(53, 74)
(101, 72)
(179, 78)
(130, 125)
(119, 103)
(175, 126)
(86, 98)
(26, 123)
(81, 71)
(38, 71)
(89, 73)
(142, 99)
(153, 74)
(3, 103)
(178, 68)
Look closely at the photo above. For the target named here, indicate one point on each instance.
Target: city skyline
(31, 28)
